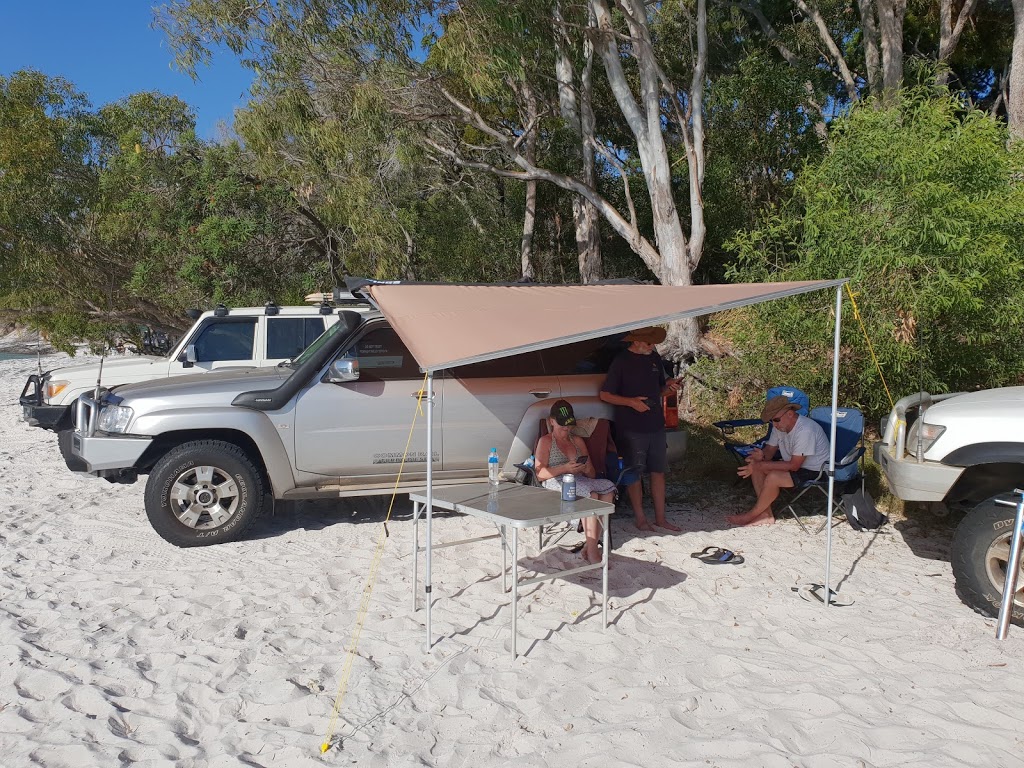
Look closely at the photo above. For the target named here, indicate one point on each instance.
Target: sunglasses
(777, 419)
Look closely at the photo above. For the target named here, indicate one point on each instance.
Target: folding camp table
(510, 505)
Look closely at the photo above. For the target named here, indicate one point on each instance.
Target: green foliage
(920, 206)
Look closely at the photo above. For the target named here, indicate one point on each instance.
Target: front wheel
(981, 550)
(204, 492)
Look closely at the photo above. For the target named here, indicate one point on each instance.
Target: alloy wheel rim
(204, 497)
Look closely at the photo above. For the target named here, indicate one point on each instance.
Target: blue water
(12, 356)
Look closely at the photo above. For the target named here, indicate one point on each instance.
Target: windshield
(317, 345)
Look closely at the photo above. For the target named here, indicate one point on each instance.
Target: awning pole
(832, 443)
(429, 394)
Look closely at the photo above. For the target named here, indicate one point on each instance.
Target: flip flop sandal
(815, 593)
(718, 556)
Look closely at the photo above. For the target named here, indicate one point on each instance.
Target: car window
(383, 356)
(526, 364)
(226, 341)
(288, 336)
(590, 356)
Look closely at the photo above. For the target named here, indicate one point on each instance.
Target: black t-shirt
(633, 375)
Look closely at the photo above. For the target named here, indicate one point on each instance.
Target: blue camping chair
(740, 451)
(849, 460)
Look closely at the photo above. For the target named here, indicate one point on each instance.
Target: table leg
(515, 586)
(415, 550)
(504, 559)
(604, 570)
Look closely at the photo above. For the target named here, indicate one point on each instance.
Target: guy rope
(371, 579)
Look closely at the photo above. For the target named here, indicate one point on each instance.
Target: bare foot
(736, 519)
(668, 526)
(765, 518)
(643, 525)
(593, 558)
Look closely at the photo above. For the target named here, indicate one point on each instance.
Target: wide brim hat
(652, 334)
(777, 405)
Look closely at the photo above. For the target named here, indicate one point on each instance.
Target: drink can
(568, 488)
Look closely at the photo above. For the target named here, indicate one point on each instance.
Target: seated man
(804, 449)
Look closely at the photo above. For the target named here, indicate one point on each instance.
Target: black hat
(562, 413)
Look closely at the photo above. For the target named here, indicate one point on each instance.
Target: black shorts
(802, 476)
(644, 449)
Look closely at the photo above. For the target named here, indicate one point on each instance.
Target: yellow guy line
(371, 579)
(856, 313)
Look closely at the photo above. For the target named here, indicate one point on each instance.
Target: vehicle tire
(981, 549)
(204, 492)
(74, 463)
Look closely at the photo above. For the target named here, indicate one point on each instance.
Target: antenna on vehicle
(99, 374)
(39, 353)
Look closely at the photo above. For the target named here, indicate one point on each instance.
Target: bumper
(101, 452)
(910, 481)
(45, 416)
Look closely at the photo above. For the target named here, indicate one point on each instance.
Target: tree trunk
(872, 58)
(1015, 102)
(643, 116)
(890, 25)
(529, 222)
(949, 33)
(530, 212)
(580, 117)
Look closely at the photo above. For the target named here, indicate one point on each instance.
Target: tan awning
(448, 325)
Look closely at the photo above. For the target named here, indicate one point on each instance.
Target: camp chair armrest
(637, 468)
(852, 457)
(730, 426)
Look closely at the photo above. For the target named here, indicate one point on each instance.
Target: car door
(220, 342)
(484, 404)
(362, 428)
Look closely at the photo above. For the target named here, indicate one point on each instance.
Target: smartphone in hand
(582, 459)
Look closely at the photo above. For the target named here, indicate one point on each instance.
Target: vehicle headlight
(114, 418)
(927, 434)
(54, 388)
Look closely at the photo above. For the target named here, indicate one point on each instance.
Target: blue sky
(107, 49)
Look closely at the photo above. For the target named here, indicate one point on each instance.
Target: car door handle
(539, 393)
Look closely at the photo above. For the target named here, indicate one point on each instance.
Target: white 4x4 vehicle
(223, 338)
(963, 450)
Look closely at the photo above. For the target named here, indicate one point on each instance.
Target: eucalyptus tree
(476, 124)
(119, 216)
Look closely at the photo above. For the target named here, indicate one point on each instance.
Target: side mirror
(342, 370)
(188, 357)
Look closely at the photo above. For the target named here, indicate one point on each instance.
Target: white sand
(119, 649)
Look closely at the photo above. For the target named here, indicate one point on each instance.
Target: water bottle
(568, 487)
(492, 466)
(529, 462)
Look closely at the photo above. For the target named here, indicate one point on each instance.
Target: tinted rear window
(288, 336)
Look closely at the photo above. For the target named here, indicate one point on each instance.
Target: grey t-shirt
(806, 439)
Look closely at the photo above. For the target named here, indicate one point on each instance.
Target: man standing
(804, 449)
(635, 385)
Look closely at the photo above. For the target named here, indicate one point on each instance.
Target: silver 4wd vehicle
(964, 451)
(334, 422)
(219, 339)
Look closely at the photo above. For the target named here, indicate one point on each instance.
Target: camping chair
(603, 453)
(740, 451)
(849, 460)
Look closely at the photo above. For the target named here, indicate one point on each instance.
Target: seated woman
(558, 453)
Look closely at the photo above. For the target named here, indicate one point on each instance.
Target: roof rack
(338, 298)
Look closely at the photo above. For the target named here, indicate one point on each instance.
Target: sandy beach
(119, 649)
